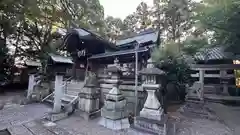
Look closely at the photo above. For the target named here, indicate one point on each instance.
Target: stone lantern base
(114, 124)
(152, 114)
(150, 126)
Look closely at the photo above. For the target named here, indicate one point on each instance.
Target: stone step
(65, 100)
(73, 89)
(68, 98)
(37, 128)
(19, 130)
(74, 93)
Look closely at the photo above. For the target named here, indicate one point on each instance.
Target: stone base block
(150, 126)
(152, 114)
(114, 115)
(57, 116)
(88, 116)
(114, 124)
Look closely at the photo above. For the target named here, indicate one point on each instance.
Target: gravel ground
(19, 114)
(185, 124)
(198, 126)
(11, 97)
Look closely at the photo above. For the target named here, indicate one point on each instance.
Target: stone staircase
(68, 101)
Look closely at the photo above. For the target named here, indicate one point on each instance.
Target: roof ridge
(138, 34)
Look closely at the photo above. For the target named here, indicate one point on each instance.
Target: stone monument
(152, 119)
(89, 98)
(114, 112)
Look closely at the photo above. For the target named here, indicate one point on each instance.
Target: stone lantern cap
(114, 94)
(151, 71)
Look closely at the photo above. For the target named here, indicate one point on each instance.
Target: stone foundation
(114, 114)
(151, 126)
(114, 124)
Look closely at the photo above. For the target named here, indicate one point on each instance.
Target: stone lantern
(152, 118)
(114, 112)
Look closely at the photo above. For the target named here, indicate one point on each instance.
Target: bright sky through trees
(121, 8)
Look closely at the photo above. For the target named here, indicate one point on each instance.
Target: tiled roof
(89, 35)
(119, 53)
(140, 38)
(61, 59)
(215, 53)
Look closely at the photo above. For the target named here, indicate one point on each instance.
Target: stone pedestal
(89, 99)
(152, 107)
(114, 112)
(152, 119)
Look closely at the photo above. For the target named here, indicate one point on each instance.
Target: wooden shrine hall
(88, 49)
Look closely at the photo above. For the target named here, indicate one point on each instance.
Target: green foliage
(170, 60)
(29, 25)
(143, 16)
(5, 63)
(114, 27)
(222, 17)
(178, 75)
(193, 44)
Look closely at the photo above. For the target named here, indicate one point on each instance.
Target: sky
(121, 8)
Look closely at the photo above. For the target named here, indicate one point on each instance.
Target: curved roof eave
(85, 34)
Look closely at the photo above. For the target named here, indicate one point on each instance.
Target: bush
(178, 75)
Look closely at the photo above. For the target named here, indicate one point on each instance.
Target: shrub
(178, 75)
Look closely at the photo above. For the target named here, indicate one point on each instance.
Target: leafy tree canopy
(222, 17)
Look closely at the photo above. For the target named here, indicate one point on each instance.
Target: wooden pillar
(201, 80)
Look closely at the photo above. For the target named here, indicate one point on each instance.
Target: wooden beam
(214, 66)
(213, 75)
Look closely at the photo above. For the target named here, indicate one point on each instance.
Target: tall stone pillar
(152, 119)
(114, 112)
(31, 83)
(58, 93)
